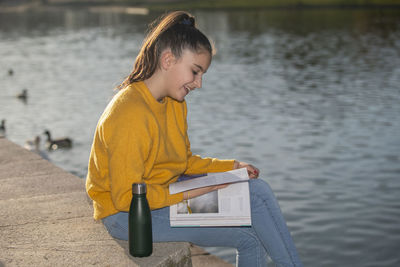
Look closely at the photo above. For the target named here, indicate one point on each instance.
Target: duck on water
(3, 128)
(23, 95)
(34, 146)
(54, 144)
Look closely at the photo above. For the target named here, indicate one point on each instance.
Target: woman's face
(186, 73)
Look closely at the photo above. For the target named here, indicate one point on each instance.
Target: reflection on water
(311, 97)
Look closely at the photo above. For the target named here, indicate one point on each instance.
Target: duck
(3, 128)
(23, 95)
(34, 146)
(54, 144)
(10, 72)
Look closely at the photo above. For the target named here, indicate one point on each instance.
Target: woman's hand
(251, 170)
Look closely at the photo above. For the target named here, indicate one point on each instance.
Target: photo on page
(207, 203)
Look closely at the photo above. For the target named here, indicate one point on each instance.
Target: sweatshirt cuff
(219, 165)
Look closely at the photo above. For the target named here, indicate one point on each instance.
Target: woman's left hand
(251, 170)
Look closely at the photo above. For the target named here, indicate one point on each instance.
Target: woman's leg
(270, 226)
(268, 231)
(250, 250)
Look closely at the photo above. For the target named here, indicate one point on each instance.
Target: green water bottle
(140, 232)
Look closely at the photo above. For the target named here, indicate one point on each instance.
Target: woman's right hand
(201, 191)
(251, 170)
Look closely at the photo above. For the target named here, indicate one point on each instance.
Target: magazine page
(238, 175)
(229, 206)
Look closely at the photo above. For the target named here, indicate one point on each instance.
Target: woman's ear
(167, 59)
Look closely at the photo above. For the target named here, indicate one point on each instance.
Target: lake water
(311, 97)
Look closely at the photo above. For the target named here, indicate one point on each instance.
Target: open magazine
(229, 206)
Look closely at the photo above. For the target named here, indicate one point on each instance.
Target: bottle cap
(139, 188)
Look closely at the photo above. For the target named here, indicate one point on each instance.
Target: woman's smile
(188, 89)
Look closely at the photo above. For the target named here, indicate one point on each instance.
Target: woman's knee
(261, 196)
(259, 187)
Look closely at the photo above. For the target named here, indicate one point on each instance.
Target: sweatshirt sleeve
(129, 140)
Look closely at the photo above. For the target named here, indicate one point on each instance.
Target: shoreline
(144, 7)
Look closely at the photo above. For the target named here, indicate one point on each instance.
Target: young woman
(142, 137)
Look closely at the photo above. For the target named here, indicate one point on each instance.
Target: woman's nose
(198, 82)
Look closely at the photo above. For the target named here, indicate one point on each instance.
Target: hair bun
(189, 21)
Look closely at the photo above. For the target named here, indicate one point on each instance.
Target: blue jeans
(267, 235)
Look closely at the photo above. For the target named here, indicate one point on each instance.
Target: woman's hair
(176, 31)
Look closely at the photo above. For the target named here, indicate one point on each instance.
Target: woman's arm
(201, 191)
(252, 171)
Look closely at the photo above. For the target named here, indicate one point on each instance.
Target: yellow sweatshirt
(139, 139)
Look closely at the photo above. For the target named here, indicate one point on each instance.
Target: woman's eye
(194, 72)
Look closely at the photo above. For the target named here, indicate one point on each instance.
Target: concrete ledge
(46, 220)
